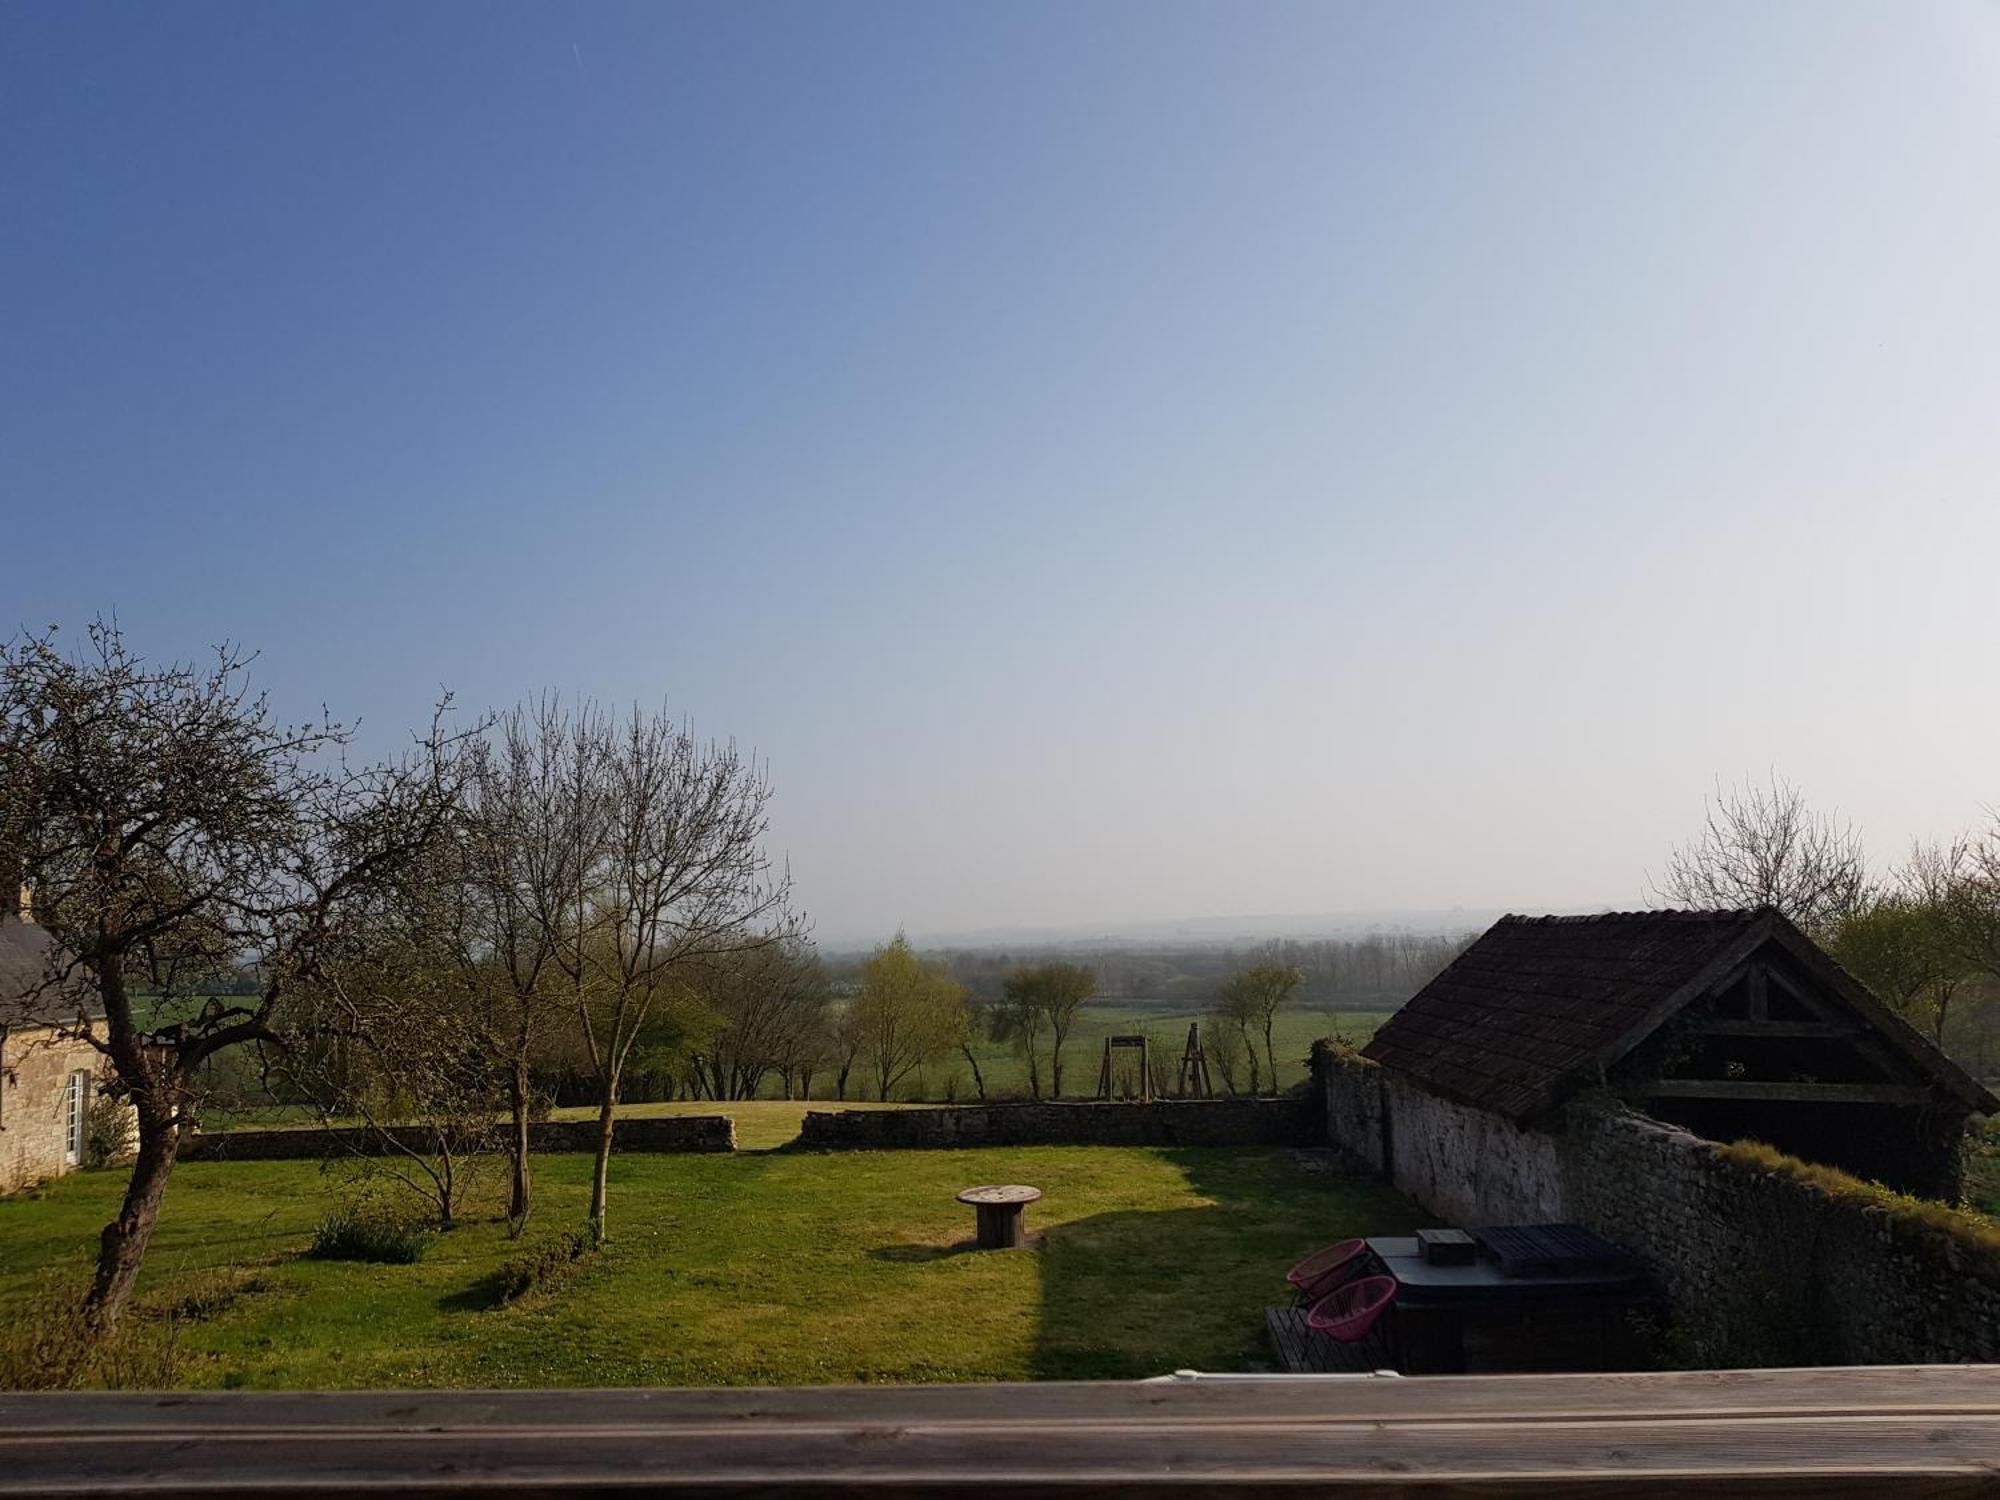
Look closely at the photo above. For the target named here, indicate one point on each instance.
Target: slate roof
(24, 951)
(1539, 1003)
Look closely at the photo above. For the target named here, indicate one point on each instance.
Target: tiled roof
(1537, 1002)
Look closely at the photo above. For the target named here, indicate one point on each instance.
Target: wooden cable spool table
(1002, 1212)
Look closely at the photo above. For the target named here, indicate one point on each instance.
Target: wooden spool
(1002, 1214)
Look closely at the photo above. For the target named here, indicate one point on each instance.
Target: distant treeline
(1378, 971)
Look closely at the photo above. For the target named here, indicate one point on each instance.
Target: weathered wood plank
(1788, 1093)
(1907, 1389)
(1907, 1432)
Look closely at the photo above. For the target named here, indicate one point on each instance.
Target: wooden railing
(1918, 1431)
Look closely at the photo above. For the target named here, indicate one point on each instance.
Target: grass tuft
(369, 1235)
(543, 1270)
(49, 1345)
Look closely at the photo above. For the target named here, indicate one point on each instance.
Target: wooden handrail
(1915, 1431)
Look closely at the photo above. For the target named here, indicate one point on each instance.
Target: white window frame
(76, 1114)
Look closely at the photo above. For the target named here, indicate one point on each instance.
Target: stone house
(48, 1076)
(1728, 1024)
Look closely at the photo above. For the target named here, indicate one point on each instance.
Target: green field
(1006, 1074)
(766, 1268)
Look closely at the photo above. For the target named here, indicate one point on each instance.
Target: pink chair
(1348, 1312)
(1323, 1270)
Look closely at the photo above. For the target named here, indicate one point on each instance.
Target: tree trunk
(520, 1195)
(122, 1247)
(978, 1081)
(1270, 1057)
(601, 1177)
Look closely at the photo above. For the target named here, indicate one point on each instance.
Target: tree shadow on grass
(485, 1294)
(1130, 1294)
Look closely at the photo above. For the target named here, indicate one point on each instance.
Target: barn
(48, 1075)
(1731, 1024)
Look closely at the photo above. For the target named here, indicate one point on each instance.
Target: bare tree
(1762, 846)
(172, 829)
(384, 1041)
(771, 1002)
(847, 1041)
(1253, 999)
(498, 908)
(1019, 1019)
(1232, 1034)
(668, 870)
(1062, 991)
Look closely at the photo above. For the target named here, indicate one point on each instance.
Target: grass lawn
(769, 1268)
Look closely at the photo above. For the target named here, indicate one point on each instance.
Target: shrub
(212, 1293)
(543, 1269)
(371, 1235)
(49, 1346)
(107, 1130)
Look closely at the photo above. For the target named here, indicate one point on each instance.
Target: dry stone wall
(1292, 1121)
(1760, 1267)
(678, 1133)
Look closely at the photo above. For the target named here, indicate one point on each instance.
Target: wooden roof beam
(1832, 1031)
(1789, 1093)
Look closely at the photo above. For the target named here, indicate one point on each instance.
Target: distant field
(1166, 1027)
(769, 1121)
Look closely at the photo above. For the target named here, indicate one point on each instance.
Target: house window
(77, 1108)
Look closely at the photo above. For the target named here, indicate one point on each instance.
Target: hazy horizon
(1117, 464)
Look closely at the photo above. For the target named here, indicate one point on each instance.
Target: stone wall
(1470, 1166)
(676, 1133)
(1758, 1266)
(1352, 1090)
(1166, 1122)
(1465, 1165)
(1764, 1267)
(35, 1069)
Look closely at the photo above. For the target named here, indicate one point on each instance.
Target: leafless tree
(1763, 846)
(384, 1041)
(499, 893)
(771, 1002)
(1045, 1000)
(667, 871)
(172, 830)
(1251, 1001)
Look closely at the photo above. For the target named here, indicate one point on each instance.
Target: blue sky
(1117, 461)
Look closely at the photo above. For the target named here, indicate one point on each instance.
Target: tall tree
(1019, 1019)
(1254, 998)
(769, 1001)
(1902, 948)
(171, 827)
(668, 871)
(1047, 999)
(906, 1015)
(1763, 846)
